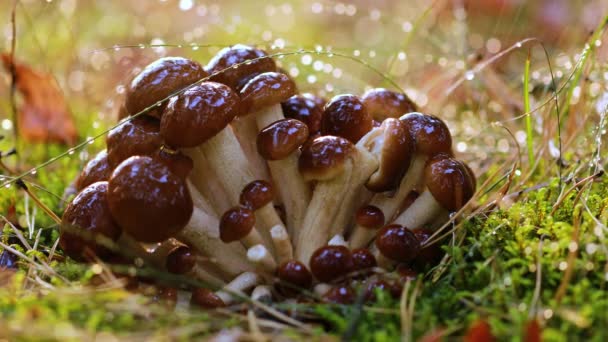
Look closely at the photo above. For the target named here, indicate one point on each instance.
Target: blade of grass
(529, 138)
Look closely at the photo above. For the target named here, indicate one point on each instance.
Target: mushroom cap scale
(450, 182)
(198, 114)
(159, 80)
(346, 116)
(221, 66)
(266, 89)
(281, 138)
(88, 211)
(149, 201)
(383, 103)
(324, 157)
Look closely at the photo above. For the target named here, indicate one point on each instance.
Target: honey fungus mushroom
(346, 116)
(133, 137)
(382, 103)
(96, 170)
(307, 108)
(159, 80)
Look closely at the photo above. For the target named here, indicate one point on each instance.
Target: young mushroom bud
(133, 137)
(96, 170)
(347, 117)
(159, 80)
(331, 262)
(340, 169)
(397, 243)
(304, 108)
(383, 103)
(250, 61)
(88, 212)
(237, 224)
(182, 260)
(449, 186)
(279, 144)
(293, 276)
(206, 299)
(363, 259)
(342, 294)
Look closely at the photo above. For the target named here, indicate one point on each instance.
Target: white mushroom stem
(206, 181)
(361, 237)
(262, 293)
(268, 115)
(253, 238)
(381, 260)
(282, 243)
(424, 209)
(202, 233)
(337, 240)
(228, 161)
(294, 192)
(246, 130)
(321, 289)
(131, 246)
(261, 257)
(238, 286)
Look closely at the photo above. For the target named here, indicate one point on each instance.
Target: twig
(13, 73)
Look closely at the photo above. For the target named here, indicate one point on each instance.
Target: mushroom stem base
(424, 209)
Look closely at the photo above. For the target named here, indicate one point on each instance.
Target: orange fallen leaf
(479, 331)
(44, 115)
(533, 332)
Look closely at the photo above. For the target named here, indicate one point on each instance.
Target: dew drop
(469, 75)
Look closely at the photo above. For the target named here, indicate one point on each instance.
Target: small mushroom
(397, 243)
(449, 186)
(346, 116)
(331, 262)
(96, 170)
(383, 103)
(251, 61)
(340, 169)
(182, 260)
(293, 276)
(279, 145)
(368, 220)
(159, 80)
(342, 294)
(237, 286)
(363, 259)
(257, 196)
(237, 224)
(307, 108)
(206, 299)
(133, 137)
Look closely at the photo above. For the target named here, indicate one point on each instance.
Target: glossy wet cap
(159, 80)
(180, 260)
(88, 212)
(180, 164)
(374, 286)
(430, 134)
(281, 138)
(363, 259)
(331, 262)
(206, 299)
(369, 216)
(295, 274)
(138, 136)
(222, 69)
(265, 90)
(346, 116)
(256, 194)
(450, 182)
(382, 103)
(340, 295)
(307, 108)
(96, 170)
(395, 148)
(147, 200)
(198, 114)
(397, 243)
(324, 157)
(236, 223)
(428, 255)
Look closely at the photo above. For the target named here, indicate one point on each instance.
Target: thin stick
(13, 73)
(21, 184)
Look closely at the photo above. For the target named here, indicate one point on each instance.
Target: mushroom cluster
(242, 183)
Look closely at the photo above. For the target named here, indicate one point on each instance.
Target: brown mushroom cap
(294, 273)
(256, 194)
(96, 170)
(324, 157)
(430, 134)
(363, 259)
(373, 286)
(265, 90)
(147, 200)
(236, 223)
(397, 243)
(159, 80)
(222, 70)
(346, 116)
(331, 262)
(88, 212)
(428, 255)
(198, 114)
(206, 299)
(369, 216)
(180, 164)
(305, 108)
(343, 294)
(450, 183)
(133, 137)
(396, 151)
(404, 274)
(281, 138)
(180, 260)
(383, 103)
